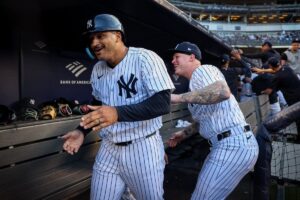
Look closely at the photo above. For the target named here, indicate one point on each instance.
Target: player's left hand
(175, 139)
(100, 117)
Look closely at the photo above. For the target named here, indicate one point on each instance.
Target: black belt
(226, 134)
(130, 142)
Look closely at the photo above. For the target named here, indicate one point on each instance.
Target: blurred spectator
(287, 81)
(292, 56)
(255, 38)
(259, 84)
(266, 52)
(232, 72)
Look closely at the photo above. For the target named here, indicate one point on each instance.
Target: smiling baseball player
(134, 88)
(234, 148)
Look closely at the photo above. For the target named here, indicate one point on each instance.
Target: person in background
(232, 73)
(292, 56)
(287, 81)
(266, 52)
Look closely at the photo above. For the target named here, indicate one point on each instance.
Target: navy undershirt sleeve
(157, 105)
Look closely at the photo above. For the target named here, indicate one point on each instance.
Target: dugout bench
(33, 165)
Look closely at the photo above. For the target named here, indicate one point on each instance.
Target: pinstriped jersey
(214, 118)
(140, 74)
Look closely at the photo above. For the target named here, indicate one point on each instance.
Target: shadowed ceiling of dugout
(147, 24)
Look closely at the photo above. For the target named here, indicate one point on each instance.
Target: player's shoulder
(99, 65)
(142, 52)
(208, 68)
(206, 71)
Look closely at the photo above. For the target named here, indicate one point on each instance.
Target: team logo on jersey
(129, 87)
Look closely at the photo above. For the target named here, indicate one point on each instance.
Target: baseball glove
(81, 109)
(48, 112)
(6, 115)
(64, 110)
(26, 109)
(28, 113)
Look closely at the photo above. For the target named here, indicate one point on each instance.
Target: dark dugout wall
(42, 48)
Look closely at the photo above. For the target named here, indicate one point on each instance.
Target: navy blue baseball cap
(296, 40)
(225, 58)
(274, 62)
(187, 48)
(267, 43)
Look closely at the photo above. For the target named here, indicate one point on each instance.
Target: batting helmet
(101, 23)
(104, 22)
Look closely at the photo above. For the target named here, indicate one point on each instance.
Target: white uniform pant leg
(143, 168)
(106, 181)
(229, 161)
(274, 108)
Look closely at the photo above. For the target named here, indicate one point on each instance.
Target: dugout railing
(34, 166)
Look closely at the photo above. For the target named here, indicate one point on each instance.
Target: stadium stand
(245, 11)
(256, 38)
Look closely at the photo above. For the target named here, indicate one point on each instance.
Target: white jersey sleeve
(202, 78)
(154, 73)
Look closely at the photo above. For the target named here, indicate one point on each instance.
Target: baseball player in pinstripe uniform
(234, 149)
(134, 88)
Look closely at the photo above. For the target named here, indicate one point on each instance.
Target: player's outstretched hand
(257, 70)
(100, 117)
(73, 141)
(175, 139)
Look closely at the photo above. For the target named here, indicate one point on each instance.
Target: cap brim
(178, 51)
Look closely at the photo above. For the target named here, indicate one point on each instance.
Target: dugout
(41, 45)
(42, 39)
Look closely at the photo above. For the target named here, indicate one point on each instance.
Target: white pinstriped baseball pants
(140, 166)
(227, 163)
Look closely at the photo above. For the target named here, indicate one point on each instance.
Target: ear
(192, 57)
(119, 35)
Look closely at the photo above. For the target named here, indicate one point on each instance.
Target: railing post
(257, 110)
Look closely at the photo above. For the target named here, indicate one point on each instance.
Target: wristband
(83, 130)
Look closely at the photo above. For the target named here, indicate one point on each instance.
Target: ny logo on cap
(89, 24)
